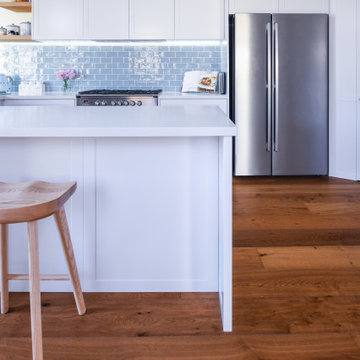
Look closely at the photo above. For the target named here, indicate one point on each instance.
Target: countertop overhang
(67, 121)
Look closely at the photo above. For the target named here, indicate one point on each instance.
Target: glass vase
(65, 86)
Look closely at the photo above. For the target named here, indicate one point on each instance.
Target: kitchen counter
(165, 99)
(47, 96)
(58, 121)
(153, 208)
(163, 95)
(178, 95)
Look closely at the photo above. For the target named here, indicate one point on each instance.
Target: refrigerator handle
(268, 87)
(276, 86)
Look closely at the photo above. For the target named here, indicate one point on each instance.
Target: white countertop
(178, 95)
(71, 96)
(47, 96)
(60, 121)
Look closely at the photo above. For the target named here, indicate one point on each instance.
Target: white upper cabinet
(106, 19)
(152, 19)
(253, 6)
(134, 19)
(199, 19)
(304, 6)
(54, 19)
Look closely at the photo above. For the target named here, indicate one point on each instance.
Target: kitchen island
(153, 209)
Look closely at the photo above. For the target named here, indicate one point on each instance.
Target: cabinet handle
(268, 87)
(276, 87)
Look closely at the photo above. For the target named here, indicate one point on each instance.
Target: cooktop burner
(120, 92)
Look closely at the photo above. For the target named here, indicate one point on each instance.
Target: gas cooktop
(120, 92)
(102, 97)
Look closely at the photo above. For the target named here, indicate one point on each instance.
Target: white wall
(9, 17)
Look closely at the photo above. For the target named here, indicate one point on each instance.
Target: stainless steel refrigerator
(279, 93)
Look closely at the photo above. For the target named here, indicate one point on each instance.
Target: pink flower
(65, 74)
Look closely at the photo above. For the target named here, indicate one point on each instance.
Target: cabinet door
(54, 19)
(304, 6)
(199, 19)
(106, 19)
(253, 6)
(300, 135)
(152, 19)
(343, 89)
(358, 91)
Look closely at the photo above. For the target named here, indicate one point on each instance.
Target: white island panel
(151, 211)
(156, 215)
(153, 207)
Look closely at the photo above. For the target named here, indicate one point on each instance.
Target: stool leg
(35, 297)
(60, 218)
(4, 269)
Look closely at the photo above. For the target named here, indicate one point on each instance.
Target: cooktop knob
(139, 103)
(132, 103)
(97, 103)
(126, 103)
(104, 103)
(113, 103)
(120, 103)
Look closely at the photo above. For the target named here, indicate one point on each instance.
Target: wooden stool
(29, 202)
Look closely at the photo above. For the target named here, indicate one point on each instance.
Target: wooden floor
(296, 291)
(300, 211)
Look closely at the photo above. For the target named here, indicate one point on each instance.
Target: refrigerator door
(300, 94)
(251, 98)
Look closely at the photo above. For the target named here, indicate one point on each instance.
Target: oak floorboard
(289, 283)
(291, 222)
(247, 258)
(304, 347)
(314, 257)
(296, 315)
(295, 211)
(356, 337)
(295, 237)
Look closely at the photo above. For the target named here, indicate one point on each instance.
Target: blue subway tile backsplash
(124, 66)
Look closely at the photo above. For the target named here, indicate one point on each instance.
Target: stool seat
(31, 201)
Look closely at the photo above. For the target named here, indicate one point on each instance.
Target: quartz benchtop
(46, 96)
(71, 96)
(61, 121)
